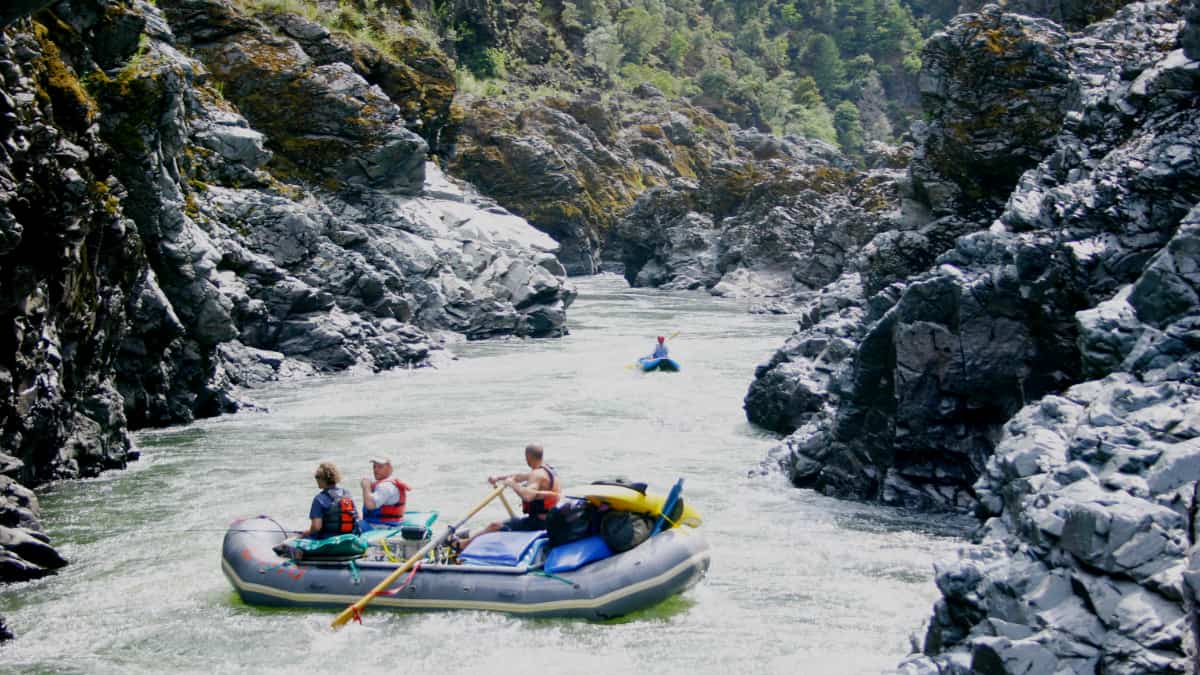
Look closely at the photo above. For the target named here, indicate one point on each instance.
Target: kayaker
(332, 511)
(384, 496)
(660, 349)
(539, 489)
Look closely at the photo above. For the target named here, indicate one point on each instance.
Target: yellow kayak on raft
(621, 498)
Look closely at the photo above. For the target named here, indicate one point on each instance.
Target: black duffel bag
(623, 530)
(570, 521)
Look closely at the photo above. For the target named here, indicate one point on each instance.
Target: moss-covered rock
(411, 71)
(574, 166)
(328, 122)
(996, 88)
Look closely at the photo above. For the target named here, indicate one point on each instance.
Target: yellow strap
(387, 551)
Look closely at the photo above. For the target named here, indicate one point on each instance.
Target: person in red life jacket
(384, 496)
(332, 511)
(539, 489)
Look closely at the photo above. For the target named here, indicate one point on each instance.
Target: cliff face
(575, 166)
(1025, 345)
(940, 357)
(775, 223)
(194, 198)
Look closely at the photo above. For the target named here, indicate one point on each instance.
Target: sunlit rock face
(575, 166)
(194, 200)
(772, 226)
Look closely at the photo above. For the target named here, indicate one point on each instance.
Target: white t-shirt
(386, 493)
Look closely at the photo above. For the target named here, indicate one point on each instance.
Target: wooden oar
(507, 507)
(356, 608)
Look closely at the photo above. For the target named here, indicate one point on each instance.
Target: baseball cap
(380, 459)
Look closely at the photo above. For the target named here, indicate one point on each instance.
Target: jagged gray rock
(996, 87)
(957, 391)
(153, 260)
(1070, 14)
(951, 353)
(774, 229)
(1084, 554)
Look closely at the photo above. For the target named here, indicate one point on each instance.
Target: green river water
(799, 583)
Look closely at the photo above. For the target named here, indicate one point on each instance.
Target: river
(799, 583)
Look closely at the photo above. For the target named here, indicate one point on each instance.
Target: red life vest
(540, 506)
(391, 513)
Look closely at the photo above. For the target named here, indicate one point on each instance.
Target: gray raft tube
(664, 565)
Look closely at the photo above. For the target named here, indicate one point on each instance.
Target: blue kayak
(668, 364)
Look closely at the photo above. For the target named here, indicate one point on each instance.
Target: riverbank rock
(950, 352)
(191, 203)
(1093, 497)
(1041, 368)
(775, 229)
(1191, 587)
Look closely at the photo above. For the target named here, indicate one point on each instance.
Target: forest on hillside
(843, 71)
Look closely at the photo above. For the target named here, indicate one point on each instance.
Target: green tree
(824, 63)
(775, 53)
(716, 81)
(814, 121)
(640, 32)
(604, 49)
(806, 93)
(678, 46)
(751, 37)
(849, 128)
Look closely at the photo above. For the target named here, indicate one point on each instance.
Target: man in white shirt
(384, 497)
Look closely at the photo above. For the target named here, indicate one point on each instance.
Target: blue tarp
(507, 549)
(567, 557)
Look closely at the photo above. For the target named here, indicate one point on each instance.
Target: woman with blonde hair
(332, 511)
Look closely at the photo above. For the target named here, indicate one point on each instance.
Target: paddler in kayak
(660, 349)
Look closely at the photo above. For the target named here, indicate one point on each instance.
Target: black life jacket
(340, 515)
(541, 506)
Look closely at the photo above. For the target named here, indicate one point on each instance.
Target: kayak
(633, 500)
(516, 573)
(665, 363)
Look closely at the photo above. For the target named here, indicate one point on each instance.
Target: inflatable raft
(658, 568)
(665, 363)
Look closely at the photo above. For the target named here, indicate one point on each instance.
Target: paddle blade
(672, 497)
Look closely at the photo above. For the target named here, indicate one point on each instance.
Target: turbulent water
(798, 583)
